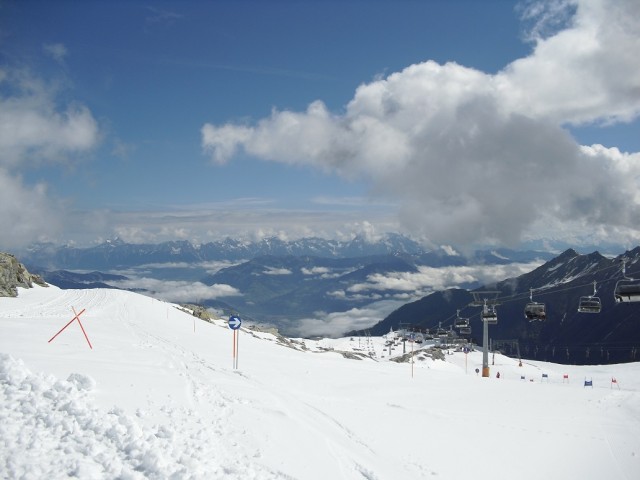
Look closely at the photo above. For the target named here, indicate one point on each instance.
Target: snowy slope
(158, 397)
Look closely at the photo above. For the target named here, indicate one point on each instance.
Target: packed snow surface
(158, 397)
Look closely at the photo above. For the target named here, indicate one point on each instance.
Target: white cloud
(179, 291)
(57, 51)
(315, 271)
(225, 139)
(587, 72)
(543, 19)
(429, 279)
(277, 271)
(33, 131)
(32, 127)
(336, 323)
(26, 212)
(476, 158)
(201, 224)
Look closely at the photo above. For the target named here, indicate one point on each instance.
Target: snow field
(156, 399)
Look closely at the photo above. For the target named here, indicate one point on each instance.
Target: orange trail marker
(77, 317)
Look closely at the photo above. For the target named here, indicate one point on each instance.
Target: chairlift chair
(534, 310)
(489, 315)
(626, 289)
(590, 303)
(461, 322)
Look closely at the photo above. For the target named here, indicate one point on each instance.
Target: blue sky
(456, 122)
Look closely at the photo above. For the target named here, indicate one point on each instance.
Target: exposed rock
(13, 274)
(264, 329)
(198, 311)
(434, 353)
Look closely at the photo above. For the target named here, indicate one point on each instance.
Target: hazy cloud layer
(179, 291)
(386, 292)
(429, 279)
(336, 323)
(214, 221)
(475, 158)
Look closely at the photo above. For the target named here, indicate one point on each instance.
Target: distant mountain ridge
(118, 254)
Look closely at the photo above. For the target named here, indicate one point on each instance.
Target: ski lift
(460, 323)
(465, 331)
(590, 303)
(489, 314)
(442, 333)
(627, 289)
(534, 310)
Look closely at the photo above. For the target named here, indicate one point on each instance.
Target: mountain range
(119, 254)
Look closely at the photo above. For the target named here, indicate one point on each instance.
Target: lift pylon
(488, 300)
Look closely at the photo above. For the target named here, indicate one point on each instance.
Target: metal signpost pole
(488, 300)
(485, 348)
(237, 347)
(412, 342)
(234, 324)
(466, 354)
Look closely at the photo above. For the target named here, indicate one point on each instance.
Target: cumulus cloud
(545, 19)
(478, 158)
(32, 126)
(569, 76)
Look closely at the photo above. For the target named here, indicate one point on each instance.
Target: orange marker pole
(81, 327)
(77, 317)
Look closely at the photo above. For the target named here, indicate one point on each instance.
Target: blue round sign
(234, 322)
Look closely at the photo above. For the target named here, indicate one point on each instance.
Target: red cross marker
(77, 317)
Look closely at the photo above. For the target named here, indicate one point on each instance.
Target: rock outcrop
(13, 274)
